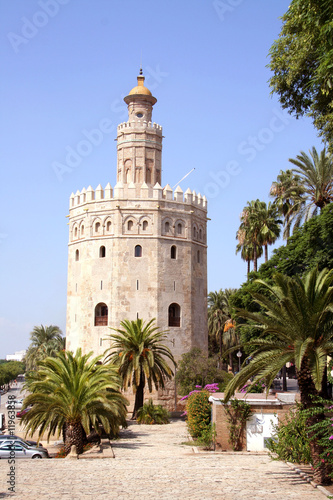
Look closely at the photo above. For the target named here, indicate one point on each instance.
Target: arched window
(179, 228)
(198, 256)
(173, 252)
(145, 225)
(82, 230)
(101, 314)
(130, 225)
(148, 176)
(108, 226)
(75, 232)
(194, 232)
(97, 227)
(102, 251)
(167, 227)
(200, 234)
(174, 314)
(138, 251)
(77, 255)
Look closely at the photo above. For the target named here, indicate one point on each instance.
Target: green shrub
(238, 412)
(198, 413)
(153, 414)
(291, 441)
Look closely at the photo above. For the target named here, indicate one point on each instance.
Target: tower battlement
(139, 124)
(147, 193)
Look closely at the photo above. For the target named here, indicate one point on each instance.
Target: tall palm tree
(141, 357)
(297, 314)
(218, 314)
(311, 188)
(287, 192)
(270, 228)
(76, 393)
(246, 249)
(45, 341)
(259, 228)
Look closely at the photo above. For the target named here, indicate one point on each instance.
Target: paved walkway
(151, 463)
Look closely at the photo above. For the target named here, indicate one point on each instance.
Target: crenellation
(90, 194)
(178, 194)
(167, 192)
(99, 194)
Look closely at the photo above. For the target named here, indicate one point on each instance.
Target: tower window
(77, 255)
(75, 232)
(130, 225)
(194, 232)
(198, 256)
(97, 227)
(137, 284)
(145, 225)
(108, 226)
(174, 315)
(138, 251)
(179, 229)
(101, 314)
(200, 234)
(82, 230)
(139, 115)
(173, 252)
(167, 227)
(102, 252)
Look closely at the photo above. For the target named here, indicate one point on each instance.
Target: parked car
(6, 437)
(20, 413)
(18, 449)
(18, 403)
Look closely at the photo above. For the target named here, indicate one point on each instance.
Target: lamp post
(239, 355)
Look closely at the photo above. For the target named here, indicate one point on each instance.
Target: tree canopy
(301, 62)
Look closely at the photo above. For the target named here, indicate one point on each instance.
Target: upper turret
(139, 141)
(140, 102)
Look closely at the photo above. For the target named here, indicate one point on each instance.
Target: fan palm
(76, 393)
(270, 225)
(315, 175)
(45, 341)
(138, 352)
(218, 314)
(298, 316)
(287, 192)
(246, 249)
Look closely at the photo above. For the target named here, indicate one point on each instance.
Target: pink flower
(331, 437)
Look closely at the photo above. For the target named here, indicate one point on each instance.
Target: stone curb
(308, 479)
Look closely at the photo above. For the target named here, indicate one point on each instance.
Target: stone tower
(138, 250)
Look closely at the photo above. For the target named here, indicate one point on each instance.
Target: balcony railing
(101, 321)
(174, 321)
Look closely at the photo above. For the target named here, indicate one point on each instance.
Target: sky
(66, 65)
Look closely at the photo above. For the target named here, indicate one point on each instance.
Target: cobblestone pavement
(151, 463)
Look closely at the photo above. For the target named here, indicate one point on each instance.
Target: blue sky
(66, 66)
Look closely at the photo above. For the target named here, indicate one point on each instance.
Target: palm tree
(140, 356)
(45, 341)
(270, 229)
(76, 393)
(259, 227)
(297, 314)
(307, 188)
(218, 314)
(246, 249)
(287, 192)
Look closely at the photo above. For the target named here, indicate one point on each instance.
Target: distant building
(138, 250)
(18, 356)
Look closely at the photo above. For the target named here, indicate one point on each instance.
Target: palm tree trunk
(255, 258)
(321, 469)
(139, 396)
(74, 436)
(266, 252)
(248, 267)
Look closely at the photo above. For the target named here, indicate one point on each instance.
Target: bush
(291, 441)
(238, 412)
(198, 414)
(195, 368)
(153, 414)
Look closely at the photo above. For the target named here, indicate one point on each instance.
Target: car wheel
(36, 456)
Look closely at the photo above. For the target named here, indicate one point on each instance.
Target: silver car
(18, 449)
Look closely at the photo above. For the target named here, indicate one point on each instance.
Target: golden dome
(140, 89)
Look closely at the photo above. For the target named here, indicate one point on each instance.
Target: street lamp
(239, 355)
